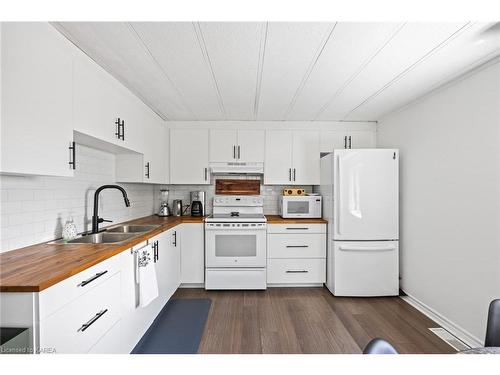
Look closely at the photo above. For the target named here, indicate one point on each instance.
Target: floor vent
(451, 340)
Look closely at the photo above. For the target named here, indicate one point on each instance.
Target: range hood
(254, 168)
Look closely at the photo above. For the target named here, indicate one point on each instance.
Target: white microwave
(294, 206)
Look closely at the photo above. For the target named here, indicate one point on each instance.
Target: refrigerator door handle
(338, 203)
(367, 248)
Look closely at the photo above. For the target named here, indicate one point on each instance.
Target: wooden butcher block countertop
(275, 219)
(37, 267)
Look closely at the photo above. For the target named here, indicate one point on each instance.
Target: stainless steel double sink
(117, 234)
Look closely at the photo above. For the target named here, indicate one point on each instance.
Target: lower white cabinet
(296, 254)
(192, 254)
(76, 327)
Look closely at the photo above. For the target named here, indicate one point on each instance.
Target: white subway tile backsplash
(34, 209)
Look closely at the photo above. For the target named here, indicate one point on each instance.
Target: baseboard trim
(447, 324)
(192, 286)
(311, 285)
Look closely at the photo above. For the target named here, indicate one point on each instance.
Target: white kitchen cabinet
(305, 158)
(36, 100)
(237, 145)
(291, 157)
(251, 145)
(189, 156)
(167, 263)
(278, 160)
(223, 145)
(296, 254)
(193, 254)
(336, 139)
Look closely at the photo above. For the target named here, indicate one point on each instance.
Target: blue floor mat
(177, 329)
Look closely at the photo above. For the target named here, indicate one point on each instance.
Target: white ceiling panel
(466, 51)
(409, 46)
(349, 48)
(117, 49)
(234, 50)
(176, 48)
(282, 71)
(290, 51)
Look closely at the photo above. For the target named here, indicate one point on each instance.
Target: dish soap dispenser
(69, 231)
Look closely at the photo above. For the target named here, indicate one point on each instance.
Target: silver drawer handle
(301, 271)
(96, 276)
(297, 228)
(289, 246)
(92, 321)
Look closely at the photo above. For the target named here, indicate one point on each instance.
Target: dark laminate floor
(310, 320)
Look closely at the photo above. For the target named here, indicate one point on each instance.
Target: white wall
(450, 197)
(34, 209)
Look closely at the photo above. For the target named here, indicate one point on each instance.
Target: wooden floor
(310, 320)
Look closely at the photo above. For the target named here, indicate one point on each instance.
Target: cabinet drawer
(296, 246)
(296, 228)
(78, 326)
(296, 271)
(60, 294)
(111, 342)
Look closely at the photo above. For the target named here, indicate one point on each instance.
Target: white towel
(148, 284)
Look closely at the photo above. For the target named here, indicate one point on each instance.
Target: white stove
(235, 243)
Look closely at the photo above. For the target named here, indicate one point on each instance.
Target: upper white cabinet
(189, 156)
(334, 139)
(237, 145)
(305, 158)
(292, 157)
(36, 100)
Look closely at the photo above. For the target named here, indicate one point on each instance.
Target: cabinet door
(306, 155)
(251, 145)
(155, 151)
(161, 259)
(223, 145)
(173, 260)
(278, 158)
(333, 140)
(36, 100)
(193, 254)
(361, 139)
(96, 101)
(189, 156)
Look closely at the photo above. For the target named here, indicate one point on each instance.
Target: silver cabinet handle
(239, 153)
(92, 321)
(297, 271)
(95, 277)
(293, 246)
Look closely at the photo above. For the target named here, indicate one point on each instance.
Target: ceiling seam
(411, 67)
(208, 62)
(358, 72)
(69, 36)
(308, 73)
(260, 68)
(155, 61)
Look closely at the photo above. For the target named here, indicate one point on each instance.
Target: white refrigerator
(360, 190)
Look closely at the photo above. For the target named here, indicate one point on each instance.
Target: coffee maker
(197, 203)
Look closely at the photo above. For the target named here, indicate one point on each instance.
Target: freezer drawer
(365, 268)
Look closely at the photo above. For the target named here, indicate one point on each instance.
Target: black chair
(493, 327)
(379, 346)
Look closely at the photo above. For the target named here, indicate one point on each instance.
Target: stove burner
(235, 214)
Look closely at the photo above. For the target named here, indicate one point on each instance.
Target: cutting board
(237, 187)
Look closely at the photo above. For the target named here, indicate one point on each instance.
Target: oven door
(235, 247)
